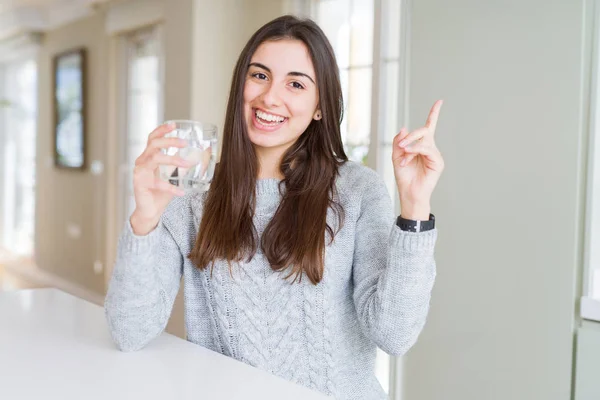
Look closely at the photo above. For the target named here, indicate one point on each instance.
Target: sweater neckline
(267, 186)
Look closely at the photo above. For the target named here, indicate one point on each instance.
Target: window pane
(20, 85)
(593, 250)
(390, 111)
(143, 89)
(359, 106)
(392, 22)
(595, 282)
(362, 33)
(143, 101)
(333, 16)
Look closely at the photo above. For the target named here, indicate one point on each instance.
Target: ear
(317, 115)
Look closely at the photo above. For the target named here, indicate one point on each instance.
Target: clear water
(198, 177)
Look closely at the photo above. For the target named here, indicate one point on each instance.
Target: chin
(265, 142)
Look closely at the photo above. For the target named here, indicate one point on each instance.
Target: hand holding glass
(201, 151)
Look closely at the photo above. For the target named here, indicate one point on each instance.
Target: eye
(259, 75)
(297, 85)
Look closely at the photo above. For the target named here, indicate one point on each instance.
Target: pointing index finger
(434, 114)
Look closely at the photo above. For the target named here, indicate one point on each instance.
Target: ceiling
(8, 5)
(20, 16)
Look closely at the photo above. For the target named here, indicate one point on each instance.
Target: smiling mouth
(267, 119)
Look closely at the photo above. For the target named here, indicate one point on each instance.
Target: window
(349, 26)
(366, 38)
(592, 289)
(18, 108)
(367, 72)
(590, 303)
(144, 96)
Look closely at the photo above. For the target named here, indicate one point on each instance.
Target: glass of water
(201, 151)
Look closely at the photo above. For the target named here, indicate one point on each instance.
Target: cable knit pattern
(375, 292)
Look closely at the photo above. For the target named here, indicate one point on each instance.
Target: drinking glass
(202, 142)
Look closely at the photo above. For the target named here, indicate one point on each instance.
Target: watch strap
(410, 225)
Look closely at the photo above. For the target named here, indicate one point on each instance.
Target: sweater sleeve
(393, 273)
(143, 287)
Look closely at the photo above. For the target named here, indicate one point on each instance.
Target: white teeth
(269, 117)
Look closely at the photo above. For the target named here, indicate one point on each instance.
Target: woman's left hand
(418, 165)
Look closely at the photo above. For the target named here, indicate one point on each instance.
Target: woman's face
(280, 95)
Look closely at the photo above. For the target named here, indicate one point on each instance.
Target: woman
(293, 260)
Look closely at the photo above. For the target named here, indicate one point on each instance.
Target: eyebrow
(293, 73)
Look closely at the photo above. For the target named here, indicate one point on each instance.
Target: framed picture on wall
(69, 92)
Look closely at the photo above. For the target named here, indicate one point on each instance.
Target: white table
(56, 346)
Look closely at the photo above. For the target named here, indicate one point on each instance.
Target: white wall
(509, 205)
(588, 362)
(221, 29)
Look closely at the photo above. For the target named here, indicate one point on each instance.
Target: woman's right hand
(152, 194)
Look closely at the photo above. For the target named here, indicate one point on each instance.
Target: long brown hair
(295, 237)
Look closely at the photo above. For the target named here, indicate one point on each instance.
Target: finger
(161, 131)
(397, 151)
(412, 137)
(157, 145)
(206, 155)
(421, 148)
(401, 135)
(407, 159)
(434, 114)
(164, 143)
(431, 153)
(164, 186)
(198, 155)
(162, 159)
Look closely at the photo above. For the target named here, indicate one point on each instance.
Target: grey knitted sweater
(375, 292)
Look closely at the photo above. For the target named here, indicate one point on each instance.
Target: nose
(271, 96)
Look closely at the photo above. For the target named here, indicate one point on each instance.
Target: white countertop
(56, 346)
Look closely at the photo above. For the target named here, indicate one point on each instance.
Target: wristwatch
(410, 225)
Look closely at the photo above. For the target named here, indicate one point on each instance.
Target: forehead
(283, 56)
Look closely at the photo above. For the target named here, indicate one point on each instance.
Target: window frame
(124, 168)
(122, 19)
(590, 301)
(380, 139)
